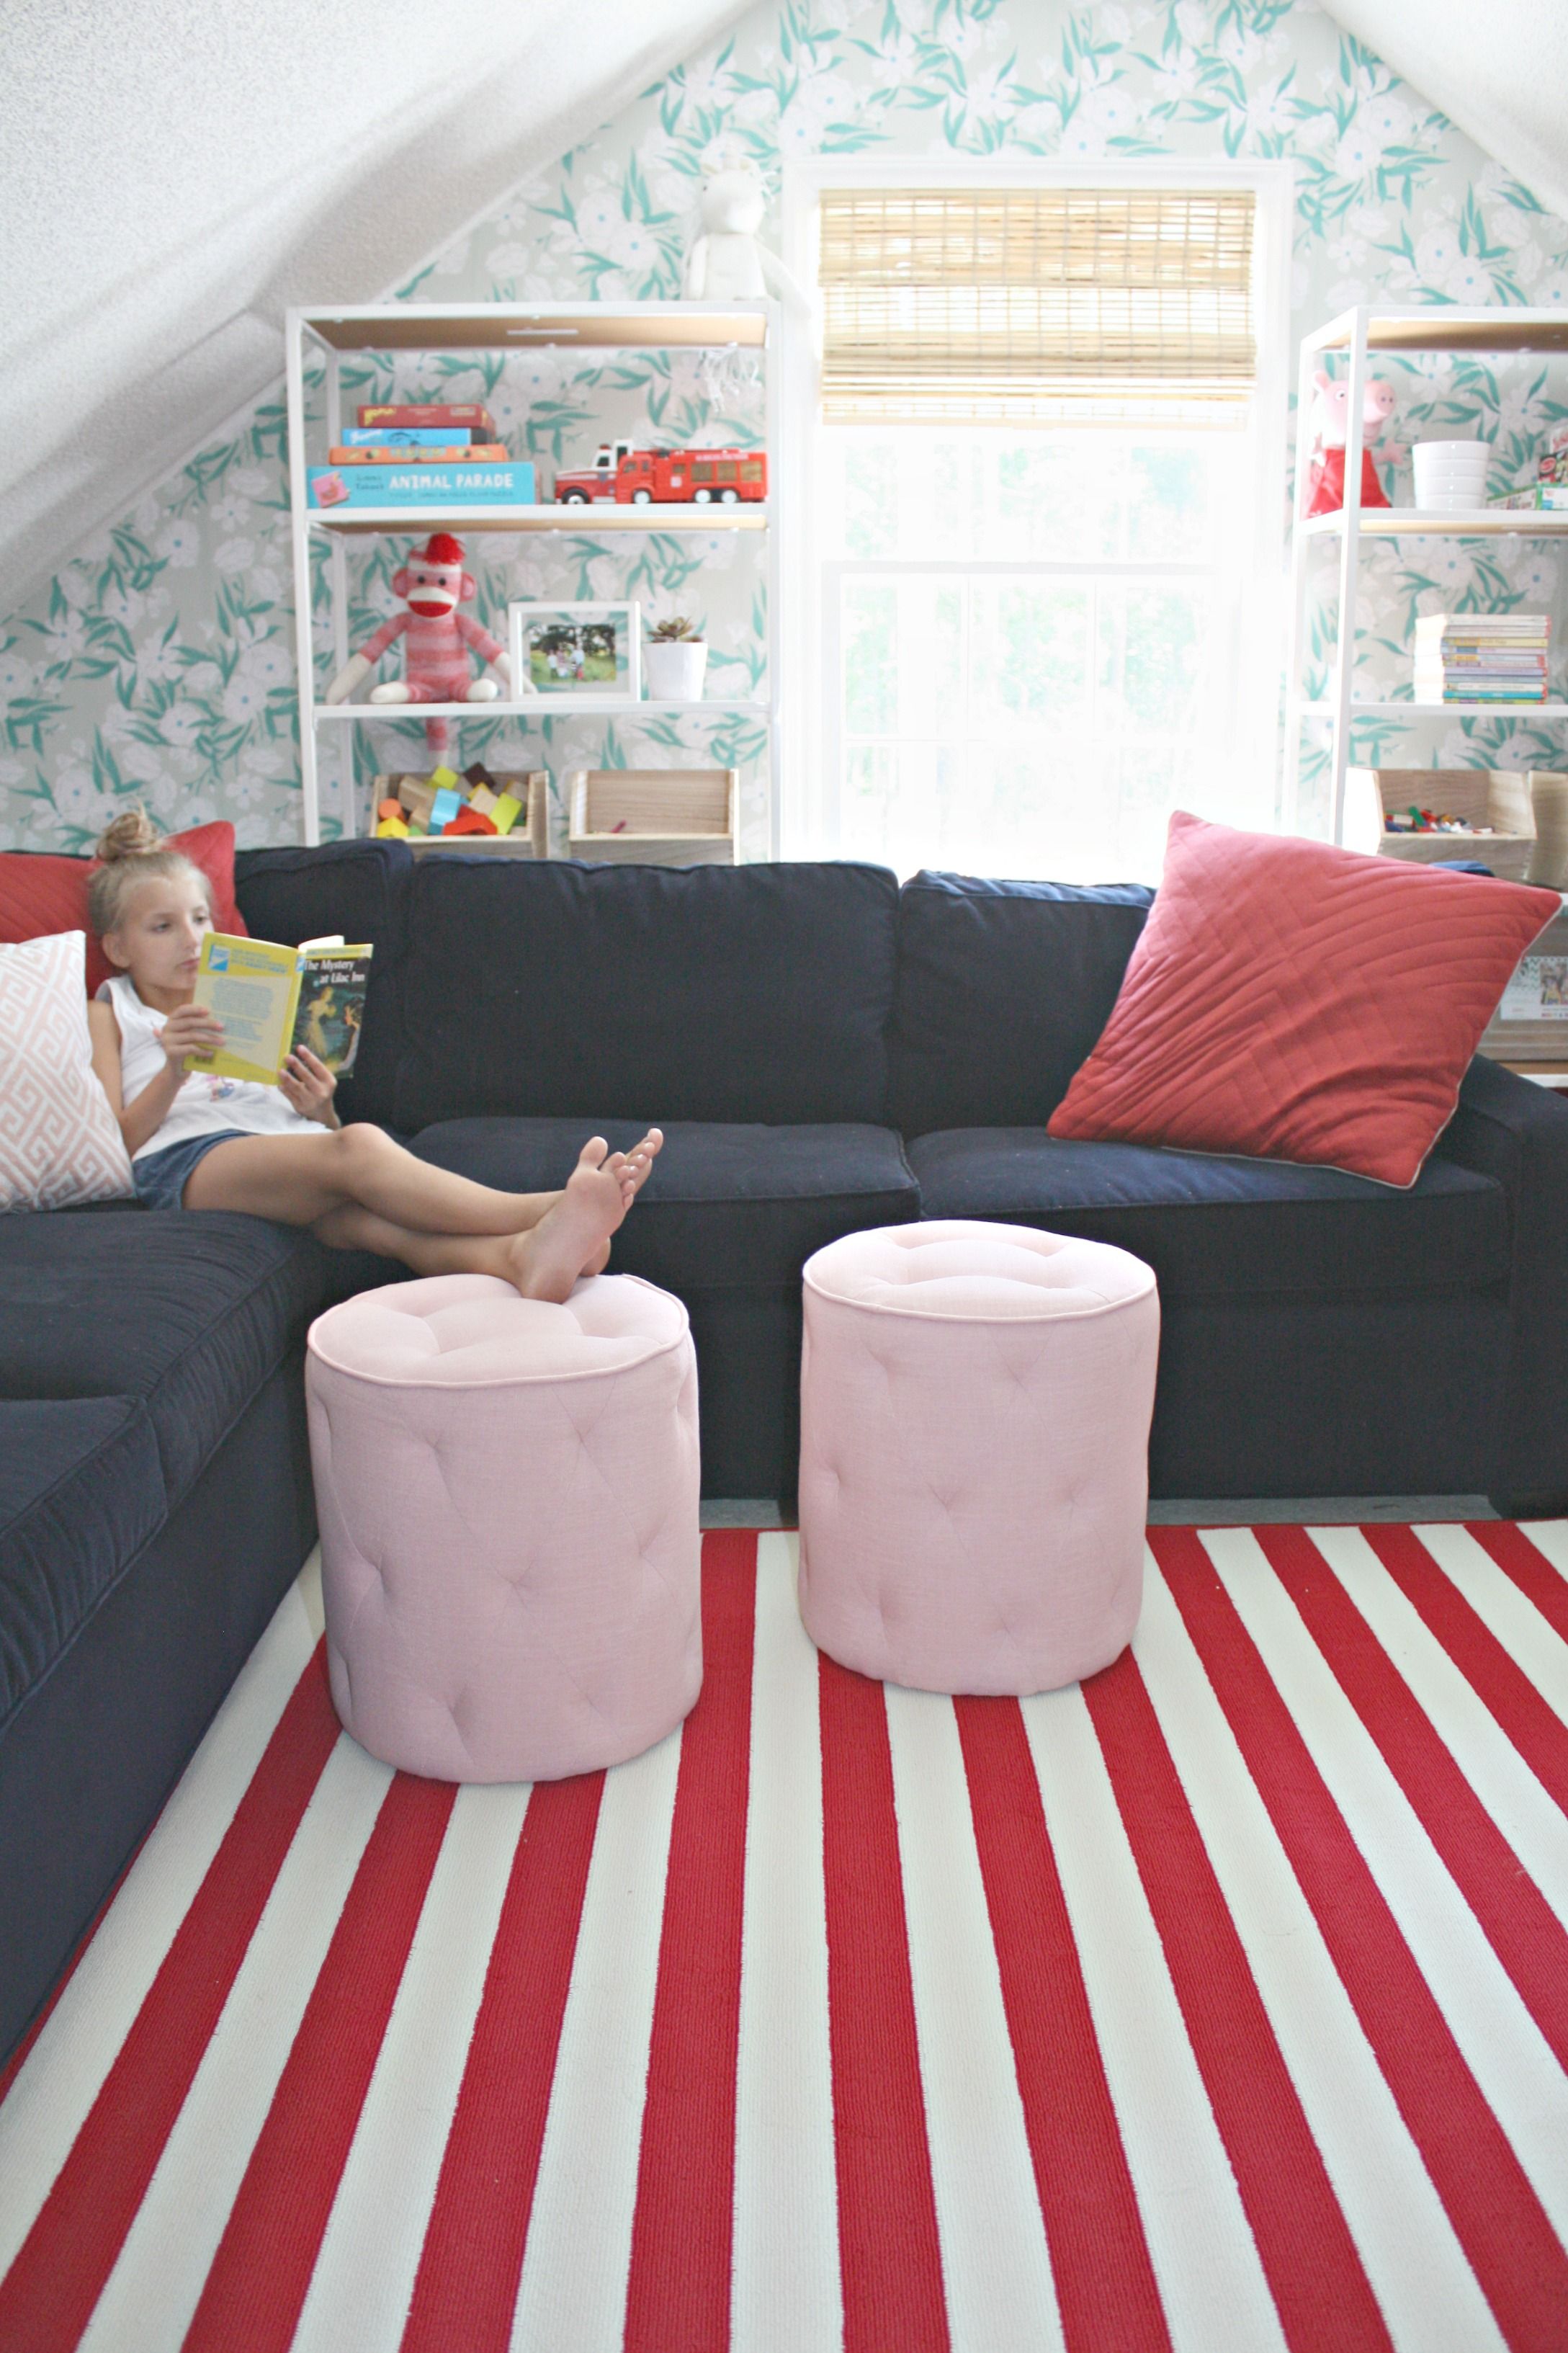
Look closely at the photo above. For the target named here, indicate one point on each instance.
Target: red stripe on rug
(1100, 2258)
(1314, 2271)
(1512, 2248)
(1533, 1725)
(255, 2291)
(1527, 1566)
(677, 2292)
(1522, 1929)
(46, 2297)
(466, 2287)
(889, 2249)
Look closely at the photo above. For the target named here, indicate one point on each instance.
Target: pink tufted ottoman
(975, 1403)
(507, 1500)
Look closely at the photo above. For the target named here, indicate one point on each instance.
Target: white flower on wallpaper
(160, 662)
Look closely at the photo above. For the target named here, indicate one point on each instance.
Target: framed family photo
(576, 653)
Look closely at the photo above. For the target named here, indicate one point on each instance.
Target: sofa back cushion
(1003, 990)
(358, 888)
(695, 993)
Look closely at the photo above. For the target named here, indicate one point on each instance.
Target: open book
(271, 999)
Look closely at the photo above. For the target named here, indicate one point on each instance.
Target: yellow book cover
(271, 998)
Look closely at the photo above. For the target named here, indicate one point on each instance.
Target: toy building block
(389, 809)
(468, 820)
(482, 800)
(445, 780)
(504, 813)
(392, 828)
(478, 773)
(443, 809)
(414, 793)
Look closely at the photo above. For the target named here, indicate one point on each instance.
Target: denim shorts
(160, 1177)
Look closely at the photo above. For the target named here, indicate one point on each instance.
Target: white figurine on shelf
(727, 263)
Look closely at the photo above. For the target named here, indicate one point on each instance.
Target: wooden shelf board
(1436, 327)
(1436, 709)
(1479, 522)
(512, 326)
(581, 521)
(540, 706)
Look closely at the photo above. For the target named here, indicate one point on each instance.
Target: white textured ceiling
(1500, 71)
(174, 173)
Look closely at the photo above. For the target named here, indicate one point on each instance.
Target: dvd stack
(1482, 657)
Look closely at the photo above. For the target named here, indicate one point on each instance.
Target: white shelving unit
(1500, 329)
(596, 327)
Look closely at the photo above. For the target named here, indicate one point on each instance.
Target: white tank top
(206, 1103)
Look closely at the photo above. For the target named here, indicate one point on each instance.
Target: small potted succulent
(676, 658)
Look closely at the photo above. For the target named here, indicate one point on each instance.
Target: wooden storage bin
(1494, 797)
(1543, 1038)
(653, 817)
(530, 836)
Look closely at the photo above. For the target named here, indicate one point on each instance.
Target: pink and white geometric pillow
(60, 1141)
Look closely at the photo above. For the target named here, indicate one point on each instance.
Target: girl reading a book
(200, 1141)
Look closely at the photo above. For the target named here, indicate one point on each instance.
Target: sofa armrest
(1509, 1128)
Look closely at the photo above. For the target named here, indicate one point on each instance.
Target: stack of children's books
(1482, 657)
(434, 453)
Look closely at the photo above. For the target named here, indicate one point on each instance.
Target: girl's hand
(308, 1086)
(190, 1030)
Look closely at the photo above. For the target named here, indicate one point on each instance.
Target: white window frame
(810, 819)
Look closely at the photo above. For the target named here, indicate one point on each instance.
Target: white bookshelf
(1359, 335)
(328, 334)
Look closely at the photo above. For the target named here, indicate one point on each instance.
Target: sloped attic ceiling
(1499, 72)
(173, 174)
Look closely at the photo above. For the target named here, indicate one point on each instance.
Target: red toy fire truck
(639, 477)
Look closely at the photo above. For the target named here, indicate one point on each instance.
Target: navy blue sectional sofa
(825, 1052)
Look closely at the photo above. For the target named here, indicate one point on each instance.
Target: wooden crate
(653, 817)
(530, 836)
(1543, 1035)
(1493, 796)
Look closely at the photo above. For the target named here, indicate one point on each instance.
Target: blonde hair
(130, 852)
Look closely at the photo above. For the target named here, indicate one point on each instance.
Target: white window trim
(809, 817)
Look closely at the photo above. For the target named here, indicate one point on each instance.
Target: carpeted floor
(1221, 2004)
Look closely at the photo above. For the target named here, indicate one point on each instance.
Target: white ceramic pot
(1451, 474)
(676, 668)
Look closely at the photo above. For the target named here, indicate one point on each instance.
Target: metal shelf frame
(329, 331)
(1501, 328)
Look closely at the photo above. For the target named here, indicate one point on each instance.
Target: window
(1037, 524)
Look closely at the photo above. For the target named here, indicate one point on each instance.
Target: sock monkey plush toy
(435, 667)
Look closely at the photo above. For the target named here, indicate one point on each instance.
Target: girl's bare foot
(573, 1236)
(638, 1161)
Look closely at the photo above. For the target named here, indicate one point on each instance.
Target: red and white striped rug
(1220, 2004)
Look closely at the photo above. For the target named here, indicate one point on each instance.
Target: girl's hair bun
(133, 834)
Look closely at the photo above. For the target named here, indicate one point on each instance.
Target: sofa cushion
(1003, 990)
(702, 993)
(40, 892)
(188, 1312)
(358, 888)
(1212, 1226)
(725, 1206)
(82, 1490)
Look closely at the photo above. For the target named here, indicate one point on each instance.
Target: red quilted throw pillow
(42, 895)
(1291, 1001)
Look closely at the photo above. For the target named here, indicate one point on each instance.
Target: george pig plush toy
(432, 583)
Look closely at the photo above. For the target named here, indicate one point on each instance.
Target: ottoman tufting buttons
(508, 1497)
(975, 1402)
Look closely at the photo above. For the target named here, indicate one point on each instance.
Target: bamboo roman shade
(1037, 305)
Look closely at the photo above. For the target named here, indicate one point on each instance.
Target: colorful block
(445, 780)
(393, 829)
(469, 820)
(443, 809)
(506, 812)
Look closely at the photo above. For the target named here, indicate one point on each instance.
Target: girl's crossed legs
(357, 1189)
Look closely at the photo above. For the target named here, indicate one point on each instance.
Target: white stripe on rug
(1549, 1537)
(1505, 2050)
(155, 2285)
(363, 2279)
(1533, 1826)
(997, 2270)
(64, 2071)
(786, 2289)
(1535, 1646)
(1419, 2272)
(572, 2294)
(1211, 2282)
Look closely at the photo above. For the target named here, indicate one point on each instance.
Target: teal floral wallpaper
(158, 661)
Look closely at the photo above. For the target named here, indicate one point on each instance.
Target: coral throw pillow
(1291, 1001)
(60, 1141)
(42, 894)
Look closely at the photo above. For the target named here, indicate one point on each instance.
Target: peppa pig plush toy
(1326, 480)
(435, 668)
